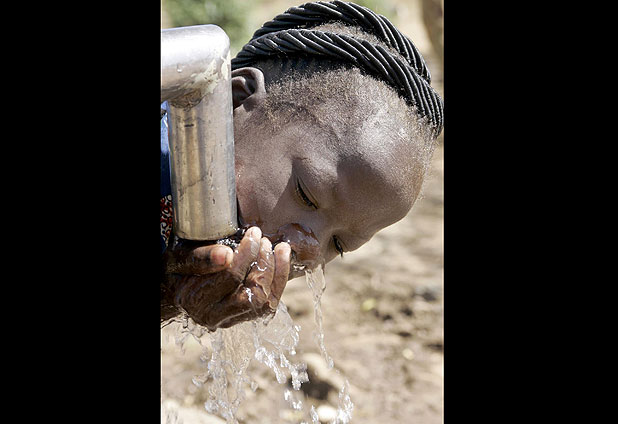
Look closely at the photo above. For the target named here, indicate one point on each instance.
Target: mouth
(295, 274)
(296, 271)
(306, 238)
(298, 267)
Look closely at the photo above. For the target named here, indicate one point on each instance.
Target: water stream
(270, 341)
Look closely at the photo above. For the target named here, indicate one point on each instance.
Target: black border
(88, 271)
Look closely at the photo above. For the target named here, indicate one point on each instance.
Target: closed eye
(338, 247)
(303, 196)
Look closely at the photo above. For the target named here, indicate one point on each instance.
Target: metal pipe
(196, 83)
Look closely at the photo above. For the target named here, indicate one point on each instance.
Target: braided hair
(293, 36)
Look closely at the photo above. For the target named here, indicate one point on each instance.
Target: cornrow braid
(289, 34)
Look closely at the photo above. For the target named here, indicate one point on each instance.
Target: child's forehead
(371, 147)
(374, 169)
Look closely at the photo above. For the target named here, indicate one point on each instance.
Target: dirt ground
(382, 316)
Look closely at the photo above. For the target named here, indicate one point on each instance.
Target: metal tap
(196, 83)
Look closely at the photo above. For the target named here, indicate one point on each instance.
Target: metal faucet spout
(196, 83)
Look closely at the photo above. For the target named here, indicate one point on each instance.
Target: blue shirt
(166, 186)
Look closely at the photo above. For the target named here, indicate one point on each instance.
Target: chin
(295, 274)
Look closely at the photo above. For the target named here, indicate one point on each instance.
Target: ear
(247, 86)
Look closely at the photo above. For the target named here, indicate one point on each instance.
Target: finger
(260, 277)
(247, 253)
(213, 258)
(282, 255)
(200, 260)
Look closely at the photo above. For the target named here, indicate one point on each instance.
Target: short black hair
(321, 36)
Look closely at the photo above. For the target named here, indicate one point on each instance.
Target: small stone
(368, 304)
(326, 413)
(408, 354)
(429, 293)
(290, 415)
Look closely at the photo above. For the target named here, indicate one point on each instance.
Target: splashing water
(317, 285)
(270, 341)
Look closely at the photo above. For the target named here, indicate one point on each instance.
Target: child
(335, 123)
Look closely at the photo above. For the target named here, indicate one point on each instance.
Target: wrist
(168, 308)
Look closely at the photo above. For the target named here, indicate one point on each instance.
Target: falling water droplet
(270, 341)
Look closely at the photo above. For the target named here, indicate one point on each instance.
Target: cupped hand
(219, 287)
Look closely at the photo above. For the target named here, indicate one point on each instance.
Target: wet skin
(307, 187)
(219, 287)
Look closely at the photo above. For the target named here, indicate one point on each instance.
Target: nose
(304, 243)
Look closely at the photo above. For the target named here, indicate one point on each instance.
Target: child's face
(335, 185)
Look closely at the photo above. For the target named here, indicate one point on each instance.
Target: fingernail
(256, 233)
(220, 256)
(266, 245)
(284, 248)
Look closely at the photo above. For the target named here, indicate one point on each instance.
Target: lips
(304, 244)
(306, 252)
